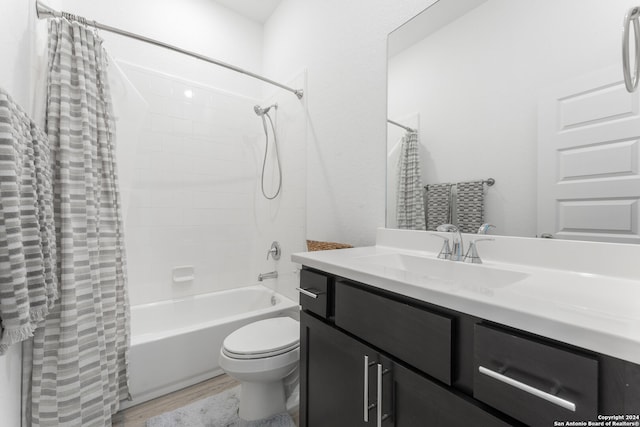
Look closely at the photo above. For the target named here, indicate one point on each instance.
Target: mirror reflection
(529, 94)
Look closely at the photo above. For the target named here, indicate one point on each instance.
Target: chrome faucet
(457, 251)
(269, 275)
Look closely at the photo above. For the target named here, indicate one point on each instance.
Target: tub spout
(269, 275)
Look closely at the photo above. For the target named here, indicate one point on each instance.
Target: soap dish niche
(183, 274)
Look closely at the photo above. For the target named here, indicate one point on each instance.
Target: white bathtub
(175, 344)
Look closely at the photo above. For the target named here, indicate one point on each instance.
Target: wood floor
(137, 416)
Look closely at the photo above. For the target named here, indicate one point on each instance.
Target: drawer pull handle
(381, 417)
(308, 293)
(528, 389)
(366, 389)
(379, 395)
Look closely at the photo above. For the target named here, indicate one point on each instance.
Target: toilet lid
(264, 338)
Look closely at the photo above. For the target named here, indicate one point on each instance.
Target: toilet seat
(262, 339)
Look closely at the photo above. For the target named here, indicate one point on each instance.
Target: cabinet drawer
(420, 338)
(533, 382)
(314, 293)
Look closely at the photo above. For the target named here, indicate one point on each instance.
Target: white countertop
(593, 311)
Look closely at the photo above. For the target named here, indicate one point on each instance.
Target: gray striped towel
(438, 205)
(470, 205)
(28, 285)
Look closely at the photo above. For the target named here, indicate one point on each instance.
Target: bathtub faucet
(269, 275)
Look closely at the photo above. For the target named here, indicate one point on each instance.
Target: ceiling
(430, 20)
(257, 10)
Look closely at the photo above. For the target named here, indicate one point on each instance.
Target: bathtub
(175, 344)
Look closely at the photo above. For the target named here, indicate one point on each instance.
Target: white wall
(195, 198)
(343, 46)
(191, 201)
(476, 82)
(201, 26)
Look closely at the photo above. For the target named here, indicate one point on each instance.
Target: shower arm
(44, 12)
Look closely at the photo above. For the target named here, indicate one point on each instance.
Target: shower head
(262, 111)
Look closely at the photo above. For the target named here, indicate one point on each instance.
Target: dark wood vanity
(370, 357)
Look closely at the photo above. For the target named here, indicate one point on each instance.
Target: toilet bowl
(260, 355)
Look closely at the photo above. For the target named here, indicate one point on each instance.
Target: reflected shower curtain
(410, 206)
(75, 367)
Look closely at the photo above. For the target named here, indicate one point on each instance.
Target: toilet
(261, 355)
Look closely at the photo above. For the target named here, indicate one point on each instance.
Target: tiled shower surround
(194, 194)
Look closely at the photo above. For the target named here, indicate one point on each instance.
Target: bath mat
(220, 410)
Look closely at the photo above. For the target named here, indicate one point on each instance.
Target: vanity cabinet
(345, 383)
(370, 357)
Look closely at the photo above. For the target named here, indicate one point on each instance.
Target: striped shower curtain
(75, 368)
(410, 195)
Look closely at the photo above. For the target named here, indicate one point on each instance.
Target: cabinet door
(418, 401)
(332, 380)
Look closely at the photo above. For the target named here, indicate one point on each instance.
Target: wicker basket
(314, 245)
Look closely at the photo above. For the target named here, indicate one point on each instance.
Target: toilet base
(261, 400)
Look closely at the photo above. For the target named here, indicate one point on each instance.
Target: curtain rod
(45, 11)
(407, 128)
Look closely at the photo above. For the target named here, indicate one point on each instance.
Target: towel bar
(489, 182)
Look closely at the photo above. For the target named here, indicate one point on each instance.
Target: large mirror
(528, 93)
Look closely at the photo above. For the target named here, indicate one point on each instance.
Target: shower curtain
(410, 195)
(75, 367)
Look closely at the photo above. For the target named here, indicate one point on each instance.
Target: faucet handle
(274, 251)
(445, 252)
(472, 253)
(484, 228)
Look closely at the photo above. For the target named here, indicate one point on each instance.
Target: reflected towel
(438, 205)
(470, 205)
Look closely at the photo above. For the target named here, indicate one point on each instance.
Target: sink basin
(440, 272)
